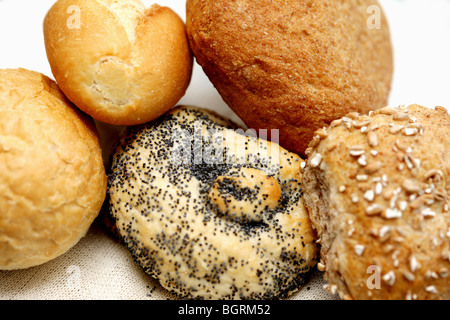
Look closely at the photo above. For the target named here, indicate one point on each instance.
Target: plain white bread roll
(119, 62)
(52, 178)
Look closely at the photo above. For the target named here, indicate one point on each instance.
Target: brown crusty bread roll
(293, 65)
(377, 190)
(52, 178)
(119, 62)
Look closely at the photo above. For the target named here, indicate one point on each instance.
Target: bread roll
(119, 62)
(210, 212)
(377, 190)
(52, 178)
(293, 65)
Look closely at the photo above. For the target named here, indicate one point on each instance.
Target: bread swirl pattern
(219, 229)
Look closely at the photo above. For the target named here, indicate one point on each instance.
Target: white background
(420, 35)
(99, 268)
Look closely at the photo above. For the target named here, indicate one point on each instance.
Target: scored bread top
(117, 61)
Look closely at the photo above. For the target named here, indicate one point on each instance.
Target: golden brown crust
(292, 65)
(377, 190)
(122, 64)
(52, 178)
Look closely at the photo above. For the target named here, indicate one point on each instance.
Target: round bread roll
(293, 65)
(119, 62)
(52, 177)
(377, 190)
(209, 212)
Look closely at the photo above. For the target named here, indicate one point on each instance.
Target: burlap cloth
(97, 268)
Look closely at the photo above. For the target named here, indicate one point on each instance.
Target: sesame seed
(408, 276)
(316, 160)
(440, 196)
(401, 116)
(331, 146)
(395, 129)
(373, 167)
(441, 109)
(369, 195)
(362, 124)
(410, 186)
(443, 272)
(392, 214)
(411, 131)
(336, 123)
(431, 289)
(384, 233)
(389, 278)
(362, 161)
(413, 264)
(321, 267)
(408, 162)
(403, 205)
(372, 139)
(322, 133)
(333, 289)
(389, 111)
(427, 213)
(433, 173)
(353, 115)
(356, 151)
(378, 188)
(417, 203)
(374, 209)
(348, 123)
(351, 231)
(359, 249)
(362, 177)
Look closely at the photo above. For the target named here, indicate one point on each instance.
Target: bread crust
(232, 227)
(52, 178)
(292, 65)
(122, 64)
(377, 190)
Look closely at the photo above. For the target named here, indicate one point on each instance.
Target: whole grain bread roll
(119, 62)
(52, 177)
(293, 65)
(377, 190)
